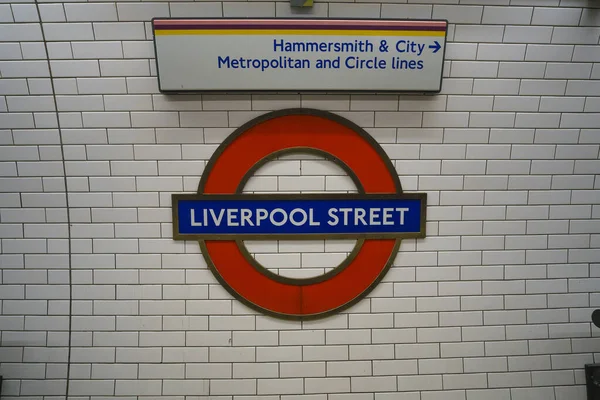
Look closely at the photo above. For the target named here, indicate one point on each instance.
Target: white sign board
(299, 55)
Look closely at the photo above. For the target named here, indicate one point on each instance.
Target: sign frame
(299, 91)
(301, 236)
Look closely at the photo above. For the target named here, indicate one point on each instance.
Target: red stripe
(308, 23)
(284, 28)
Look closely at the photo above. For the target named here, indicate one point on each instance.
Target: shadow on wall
(592, 371)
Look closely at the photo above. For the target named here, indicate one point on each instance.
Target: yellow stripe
(163, 32)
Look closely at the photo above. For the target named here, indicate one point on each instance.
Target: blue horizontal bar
(352, 216)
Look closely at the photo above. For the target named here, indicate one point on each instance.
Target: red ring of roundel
(297, 131)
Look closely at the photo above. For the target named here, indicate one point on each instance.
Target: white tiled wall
(494, 305)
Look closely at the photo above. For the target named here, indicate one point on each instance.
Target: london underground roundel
(220, 217)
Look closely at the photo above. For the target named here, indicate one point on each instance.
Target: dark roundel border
(391, 245)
